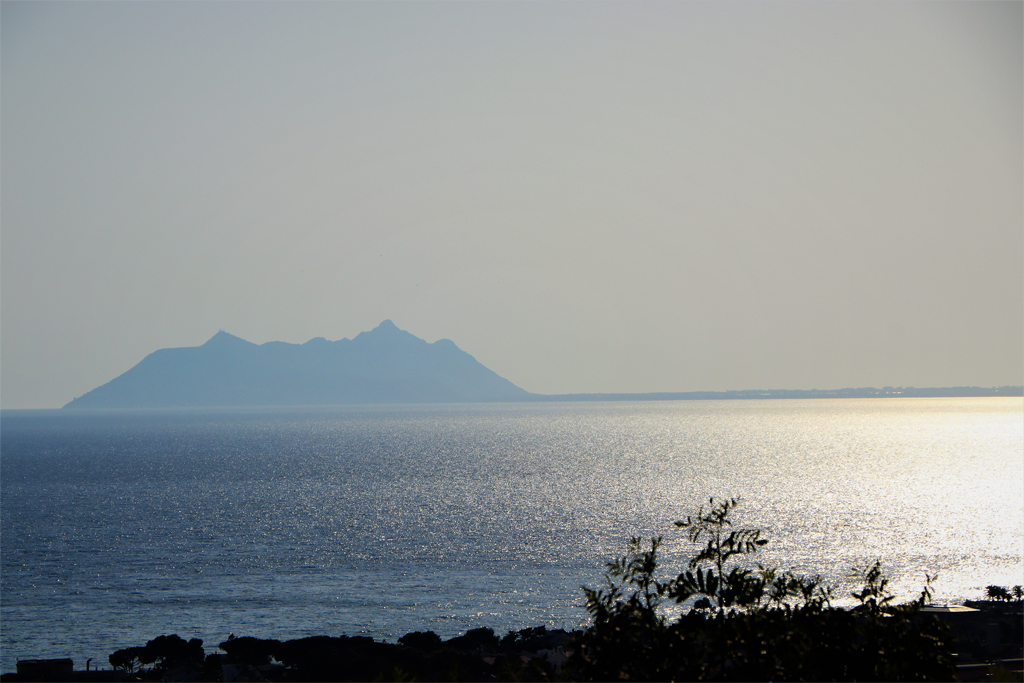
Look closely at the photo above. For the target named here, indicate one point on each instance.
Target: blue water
(118, 527)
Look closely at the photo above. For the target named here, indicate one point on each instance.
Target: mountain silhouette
(384, 365)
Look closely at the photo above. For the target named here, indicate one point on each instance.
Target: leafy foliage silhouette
(743, 622)
(163, 652)
(1002, 593)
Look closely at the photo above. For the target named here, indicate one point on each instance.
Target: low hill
(384, 365)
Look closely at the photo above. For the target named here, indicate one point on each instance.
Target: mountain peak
(223, 339)
(387, 333)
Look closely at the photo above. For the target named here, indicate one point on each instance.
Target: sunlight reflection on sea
(118, 527)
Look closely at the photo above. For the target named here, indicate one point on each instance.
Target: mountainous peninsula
(384, 365)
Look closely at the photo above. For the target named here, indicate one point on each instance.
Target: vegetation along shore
(719, 617)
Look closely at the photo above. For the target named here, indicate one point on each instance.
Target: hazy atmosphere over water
(587, 197)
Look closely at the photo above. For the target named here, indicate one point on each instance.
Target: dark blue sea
(121, 526)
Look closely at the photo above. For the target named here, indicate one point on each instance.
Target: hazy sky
(586, 196)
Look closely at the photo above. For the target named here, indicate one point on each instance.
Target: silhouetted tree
(128, 660)
(421, 640)
(997, 593)
(249, 650)
(743, 623)
(169, 652)
(475, 639)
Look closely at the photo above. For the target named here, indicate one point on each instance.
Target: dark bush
(249, 650)
(475, 639)
(421, 640)
(745, 622)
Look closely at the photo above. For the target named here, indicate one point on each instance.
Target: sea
(118, 527)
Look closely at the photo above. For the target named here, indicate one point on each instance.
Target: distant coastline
(1009, 391)
(862, 392)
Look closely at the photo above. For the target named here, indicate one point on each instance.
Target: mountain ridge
(382, 365)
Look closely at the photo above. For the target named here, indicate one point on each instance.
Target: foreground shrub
(746, 623)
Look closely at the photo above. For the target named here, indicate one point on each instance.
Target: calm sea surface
(119, 527)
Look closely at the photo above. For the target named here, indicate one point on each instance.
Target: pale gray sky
(586, 196)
